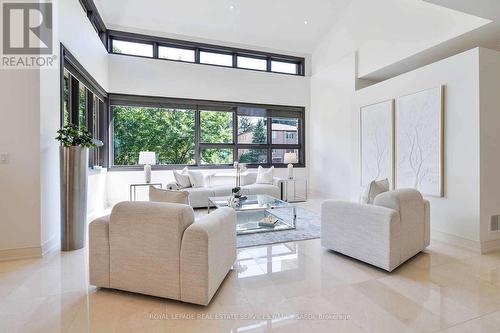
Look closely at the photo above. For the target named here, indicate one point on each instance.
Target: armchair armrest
(277, 181)
(207, 253)
(99, 252)
(366, 232)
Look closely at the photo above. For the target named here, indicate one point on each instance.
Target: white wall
(72, 23)
(329, 143)
(458, 213)
(19, 179)
(30, 114)
(152, 77)
(489, 76)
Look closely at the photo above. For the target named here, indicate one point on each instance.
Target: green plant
(71, 136)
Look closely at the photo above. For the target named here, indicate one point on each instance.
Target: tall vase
(73, 169)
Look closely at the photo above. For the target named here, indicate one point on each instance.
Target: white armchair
(158, 249)
(386, 234)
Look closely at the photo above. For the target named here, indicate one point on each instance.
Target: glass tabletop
(252, 202)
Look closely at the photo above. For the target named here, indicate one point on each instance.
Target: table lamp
(147, 158)
(290, 158)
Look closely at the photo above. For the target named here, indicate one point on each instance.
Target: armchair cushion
(161, 195)
(373, 189)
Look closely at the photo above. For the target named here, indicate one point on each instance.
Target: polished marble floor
(291, 287)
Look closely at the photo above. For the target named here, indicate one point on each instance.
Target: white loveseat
(221, 185)
(386, 234)
(158, 249)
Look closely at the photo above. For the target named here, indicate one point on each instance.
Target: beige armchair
(386, 234)
(158, 249)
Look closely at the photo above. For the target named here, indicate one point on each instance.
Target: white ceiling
(269, 24)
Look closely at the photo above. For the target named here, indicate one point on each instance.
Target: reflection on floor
(292, 287)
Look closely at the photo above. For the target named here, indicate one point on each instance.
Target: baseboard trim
(490, 246)
(456, 240)
(22, 253)
(50, 245)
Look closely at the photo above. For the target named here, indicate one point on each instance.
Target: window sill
(195, 167)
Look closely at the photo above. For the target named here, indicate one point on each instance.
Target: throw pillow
(182, 178)
(197, 178)
(373, 189)
(264, 176)
(161, 195)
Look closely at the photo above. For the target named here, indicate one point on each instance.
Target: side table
(133, 189)
(291, 184)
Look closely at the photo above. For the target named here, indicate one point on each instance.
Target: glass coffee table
(251, 212)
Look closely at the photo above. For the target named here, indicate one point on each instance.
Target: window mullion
(235, 136)
(197, 160)
(269, 140)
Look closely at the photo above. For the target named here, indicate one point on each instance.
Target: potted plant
(74, 152)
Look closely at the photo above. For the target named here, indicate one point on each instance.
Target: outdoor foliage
(258, 128)
(71, 136)
(171, 134)
(216, 127)
(168, 132)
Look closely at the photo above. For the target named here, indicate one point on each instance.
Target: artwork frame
(419, 161)
(374, 115)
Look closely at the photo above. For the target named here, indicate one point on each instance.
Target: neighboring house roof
(284, 127)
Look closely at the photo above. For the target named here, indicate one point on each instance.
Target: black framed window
(255, 63)
(188, 51)
(126, 43)
(215, 58)
(132, 48)
(176, 53)
(169, 131)
(284, 67)
(205, 134)
(83, 103)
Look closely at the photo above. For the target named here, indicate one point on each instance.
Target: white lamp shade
(290, 158)
(147, 157)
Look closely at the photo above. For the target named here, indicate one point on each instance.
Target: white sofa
(158, 249)
(386, 234)
(222, 184)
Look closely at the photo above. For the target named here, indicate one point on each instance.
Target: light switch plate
(4, 158)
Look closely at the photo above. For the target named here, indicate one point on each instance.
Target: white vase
(290, 171)
(147, 173)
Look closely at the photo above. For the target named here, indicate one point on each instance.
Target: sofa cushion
(161, 195)
(197, 178)
(198, 196)
(222, 190)
(182, 178)
(264, 176)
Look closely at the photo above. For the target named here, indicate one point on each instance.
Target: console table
(286, 184)
(133, 189)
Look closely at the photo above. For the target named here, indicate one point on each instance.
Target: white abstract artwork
(419, 132)
(377, 142)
